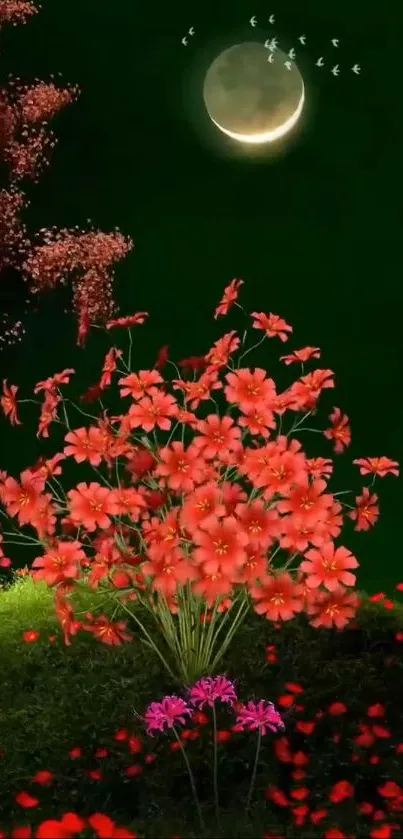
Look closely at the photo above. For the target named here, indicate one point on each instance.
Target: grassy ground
(54, 699)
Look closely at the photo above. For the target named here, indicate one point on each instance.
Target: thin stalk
(254, 770)
(192, 780)
(151, 642)
(215, 770)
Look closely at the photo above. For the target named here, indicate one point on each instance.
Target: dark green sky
(315, 236)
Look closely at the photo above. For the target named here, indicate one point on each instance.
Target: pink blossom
(165, 714)
(207, 690)
(260, 715)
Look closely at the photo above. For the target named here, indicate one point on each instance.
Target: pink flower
(206, 691)
(166, 713)
(262, 715)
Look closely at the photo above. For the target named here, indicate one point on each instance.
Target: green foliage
(54, 698)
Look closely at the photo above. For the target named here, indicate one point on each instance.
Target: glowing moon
(251, 99)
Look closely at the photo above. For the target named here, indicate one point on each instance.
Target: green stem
(254, 770)
(192, 781)
(215, 770)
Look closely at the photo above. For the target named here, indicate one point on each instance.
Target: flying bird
(335, 42)
(319, 62)
(253, 21)
(271, 19)
(291, 54)
(356, 69)
(267, 43)
(335, 70)
(302, 39)
(273, 44)
(191, 31)
(271, 58)
(287, 64)
(184, 42)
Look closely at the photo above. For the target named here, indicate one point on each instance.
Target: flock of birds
(271, 44)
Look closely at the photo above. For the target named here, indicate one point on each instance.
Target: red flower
(279, 598)
(220, 545)
(308, 503)
(286, 700)
(217, 436)
(181, 468)
(377, 710)
(341, 431)
(380, 466)
(367, 511)
(128, 321)
(336, 709)
(8, 402)
(300, 793)
(230, 297)
(333, 609)
(329, 566)
(340, 791)
(293, 687)
(30, 635)
(59, 564)
(153, 411)
(273, 325)
(382, 832)
(91, 505)
(301, 356)
(390, 790)
(249, 390)
(305, 727)
(43, 777)
(24, 799)
(223, 736)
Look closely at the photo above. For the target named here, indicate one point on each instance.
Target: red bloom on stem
(379, 466)
(139, 384)
(249, 390)
(336, 608)
(309, 503)
(306, 392)
(261, 525)
(220, 545)
(111, 634)
(228, 299)
(341, 431)
(59, 563)
(130, 320)
(153, 411)
(109, 366)
(273, 325)
(217, 436)
(53, 383)
(91, 505)
(301, 356)
(200, 505)
(8, 402)
(367, 511)
(22, 499)
(278, 598)
(329, 566)
(180, 468)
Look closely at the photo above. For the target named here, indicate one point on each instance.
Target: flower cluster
(53, 257)
(235, 505)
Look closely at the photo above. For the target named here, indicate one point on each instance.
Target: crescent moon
(267, 136)
(248, 102)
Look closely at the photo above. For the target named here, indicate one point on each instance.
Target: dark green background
(315, 236)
